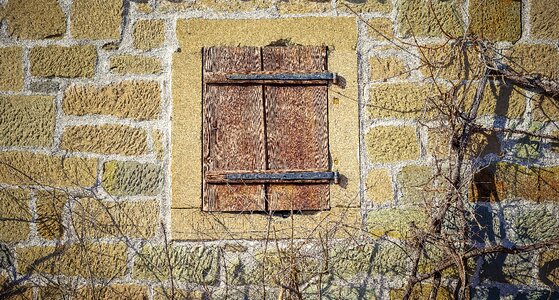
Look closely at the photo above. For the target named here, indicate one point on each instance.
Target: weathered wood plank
(297, 127)
(233, 130)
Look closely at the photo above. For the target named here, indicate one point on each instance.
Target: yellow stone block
(386, 144)
(15, 214)
(134, 64)
(134, 99)
(105, 139)
(11, 68)
(35, 19)
(430, 18)
(543, 19)
(496, 20)
(27, 121)
(386, 68)
(149, 34)
(379, 186)
(89, 260)
(540, 59)
(50, 213)
(60, 61)
(24, 168)
(96, 19)
(366, 6)
(96, 218)
(381, 29)
(304, 6)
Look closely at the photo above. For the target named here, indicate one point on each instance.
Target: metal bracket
(274, 177)
(284, 76)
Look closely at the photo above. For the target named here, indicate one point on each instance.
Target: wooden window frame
(188, 221)
(265, 129)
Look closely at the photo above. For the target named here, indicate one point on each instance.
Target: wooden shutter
(271, 126)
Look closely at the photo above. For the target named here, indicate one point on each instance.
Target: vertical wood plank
(297, 127)
(233, 130)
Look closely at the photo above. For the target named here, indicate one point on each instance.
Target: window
(265, 129)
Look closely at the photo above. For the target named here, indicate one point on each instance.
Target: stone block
(60, 61)
(379, 186)
(15, 215)
(198, 264)
(105, 139)
(543, 18)
(11, 68)
(132, 178)
(496, 20)
(387, 68)
(96, 218)
(25, 168)
(27, 121)
(418, 18)
(139, 100)
(96, 19)
(89, 260)
(35, 19)
(50, 213)
(149, 34)
(395, 222)
(386, 144)
(134, 64)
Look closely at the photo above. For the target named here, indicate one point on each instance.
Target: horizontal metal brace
(283, 76)
(274, 177)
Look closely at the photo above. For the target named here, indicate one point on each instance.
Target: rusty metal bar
(283, 76)
(274, 177)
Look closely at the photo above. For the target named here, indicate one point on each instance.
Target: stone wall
(86, 106)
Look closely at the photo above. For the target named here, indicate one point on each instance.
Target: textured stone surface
(6, 260)
(508, 181)
(149, 34)
(89, 260)
(44, 86)
(34, 19)
(544, 109)
(96, 19)
(15, 215)
(392, 143)
(273, 267)
(105, 139)
(541, 59)
(50, 206)
(419, 185)
(364, 6)
(379, 186)
(384, 258)
(533, 224)
(400, 100)
(197, 264)
(128, 99)
(452, 61)
(11, 68)
(132, 178)
(543, 18)
(27, 121)
(134, 64)
(547, 267)
(24, 168)
(395, 222)
(508, 268)
(167, 293)
(216, 5)
(158, 144)
(501, 100)
(304, 6)
(95, 218)
(422, 291)
(343, 291)
(113, 291)
(418, 18)
(496, 20)
(380, 29)
(387, 68)
(60, 61)
(480, 144)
